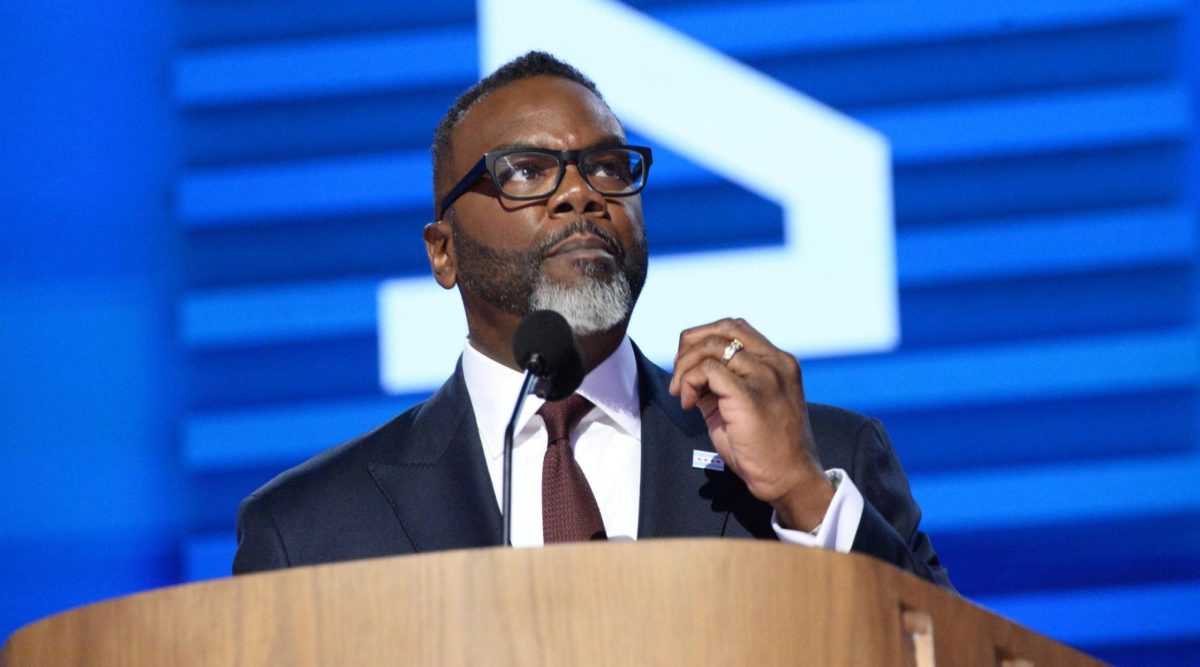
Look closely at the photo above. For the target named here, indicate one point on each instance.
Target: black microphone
(544, 346)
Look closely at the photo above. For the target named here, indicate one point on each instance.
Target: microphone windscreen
(543, 343)
(564, 381)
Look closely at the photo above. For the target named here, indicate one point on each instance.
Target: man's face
(575, 251)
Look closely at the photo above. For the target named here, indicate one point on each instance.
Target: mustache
(581, 226)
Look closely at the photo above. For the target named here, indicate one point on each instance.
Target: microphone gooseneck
(545, 348)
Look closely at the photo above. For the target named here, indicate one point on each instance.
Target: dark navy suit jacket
(420, 483)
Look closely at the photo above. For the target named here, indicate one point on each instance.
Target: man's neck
(598, 347)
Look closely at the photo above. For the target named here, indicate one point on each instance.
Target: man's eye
(519, 170)
(516, 175)
(612, 170)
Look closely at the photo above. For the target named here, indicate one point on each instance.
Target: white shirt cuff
(840, 524)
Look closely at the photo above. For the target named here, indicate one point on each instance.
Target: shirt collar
(493, 387)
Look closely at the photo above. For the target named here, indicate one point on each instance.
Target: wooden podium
(666, 602)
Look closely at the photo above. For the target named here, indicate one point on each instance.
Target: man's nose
(574, 195)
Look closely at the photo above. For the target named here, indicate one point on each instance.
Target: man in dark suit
(538, 207)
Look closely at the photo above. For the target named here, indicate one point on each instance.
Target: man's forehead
(534, 111)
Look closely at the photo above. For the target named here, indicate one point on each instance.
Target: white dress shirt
(608, 447)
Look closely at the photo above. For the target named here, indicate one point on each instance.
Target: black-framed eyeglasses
(525, 174)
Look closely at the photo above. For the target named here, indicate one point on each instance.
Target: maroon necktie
(569, 510)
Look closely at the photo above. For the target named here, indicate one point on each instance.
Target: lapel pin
(707, 460)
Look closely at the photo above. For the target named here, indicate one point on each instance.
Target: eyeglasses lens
(526, 174)
(613, 171)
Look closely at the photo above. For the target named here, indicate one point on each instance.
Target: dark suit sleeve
(888, 529)
(260, 546)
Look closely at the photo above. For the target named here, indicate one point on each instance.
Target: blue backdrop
(1044, 397)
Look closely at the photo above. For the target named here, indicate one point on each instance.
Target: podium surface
(665, 602)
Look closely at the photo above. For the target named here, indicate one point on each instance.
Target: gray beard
(593, 306)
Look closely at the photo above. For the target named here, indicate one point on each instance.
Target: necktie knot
(563, 416)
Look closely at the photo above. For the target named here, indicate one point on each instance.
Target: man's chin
(591, 305)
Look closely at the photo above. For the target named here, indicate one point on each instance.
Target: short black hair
(533, 63)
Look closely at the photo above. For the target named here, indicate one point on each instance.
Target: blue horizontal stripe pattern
(281, 434)
(1108, 616)
(962, 250)
(325, 67)
(771, 28)
(334, 186)
(365, 64)
(1008, 372)
(258, 315)
(983, 129)
(1056, 494)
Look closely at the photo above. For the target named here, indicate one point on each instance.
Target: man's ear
(439, 246)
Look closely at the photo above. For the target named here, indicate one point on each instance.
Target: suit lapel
(676, 500)
(437, 480)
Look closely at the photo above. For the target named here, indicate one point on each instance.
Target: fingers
(709, 347)
(728, 328)
(710, 341)
(709, 375)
